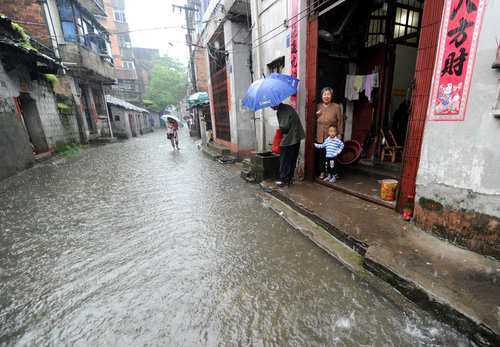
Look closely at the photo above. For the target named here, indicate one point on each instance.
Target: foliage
(51, 78)
(66, 149)
(64, 109)
(24, 39)
(65, 99)
(168, 79)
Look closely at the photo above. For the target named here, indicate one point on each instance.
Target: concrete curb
(436, 307)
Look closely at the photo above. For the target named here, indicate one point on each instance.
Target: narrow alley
(133, 243)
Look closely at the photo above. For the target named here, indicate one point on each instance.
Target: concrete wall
(57, 127)
(15, 149)
(272, 14)
(458, 185)
(120, 122)
(242, 125)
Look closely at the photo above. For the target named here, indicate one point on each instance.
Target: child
(333, 147)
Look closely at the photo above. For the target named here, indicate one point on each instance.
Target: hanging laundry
(368, 86)
(350, 93)
(375, 82)
(363, 84)
(358, 82)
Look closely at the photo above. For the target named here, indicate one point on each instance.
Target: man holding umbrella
(292, 133)
(270, 91)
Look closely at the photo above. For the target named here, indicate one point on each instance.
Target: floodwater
(133, 243)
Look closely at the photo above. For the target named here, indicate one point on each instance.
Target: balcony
(85, 63)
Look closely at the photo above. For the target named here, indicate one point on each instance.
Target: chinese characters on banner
(294, 44)
(458, 39)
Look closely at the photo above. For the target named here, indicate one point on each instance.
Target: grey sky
(152, 14)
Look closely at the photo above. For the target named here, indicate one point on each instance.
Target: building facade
(115, 22)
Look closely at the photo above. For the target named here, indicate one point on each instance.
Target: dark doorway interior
(33, 124)
(361, 38)
(87, 107)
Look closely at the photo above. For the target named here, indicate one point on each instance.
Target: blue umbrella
(270, 90)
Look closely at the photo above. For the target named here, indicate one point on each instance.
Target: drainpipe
(50, 25)
(256, 20)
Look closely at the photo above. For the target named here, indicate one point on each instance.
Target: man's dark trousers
(288, 161)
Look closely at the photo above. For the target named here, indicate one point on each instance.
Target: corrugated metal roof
(124, 104)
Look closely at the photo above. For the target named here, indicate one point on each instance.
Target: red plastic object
(350, 153)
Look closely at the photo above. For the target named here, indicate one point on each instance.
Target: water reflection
(135, 244)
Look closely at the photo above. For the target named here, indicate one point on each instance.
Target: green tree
(168, 79)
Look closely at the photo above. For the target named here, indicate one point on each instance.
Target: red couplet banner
(294, 46)
(460, 28)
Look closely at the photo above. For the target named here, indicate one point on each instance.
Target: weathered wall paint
(460, 161)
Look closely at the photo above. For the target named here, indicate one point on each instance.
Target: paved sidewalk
(454, 285)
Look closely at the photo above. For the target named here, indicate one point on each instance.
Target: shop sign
(459, 35)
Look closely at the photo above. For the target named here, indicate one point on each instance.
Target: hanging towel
(363, 84)
(358, 82)
(350, 93)
(368, 87)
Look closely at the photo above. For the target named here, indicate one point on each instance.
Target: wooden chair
(390, 148)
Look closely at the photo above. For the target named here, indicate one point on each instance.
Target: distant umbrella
(270, 90)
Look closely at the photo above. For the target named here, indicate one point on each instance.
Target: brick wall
(475, 231)
(201, 70)
(28, 14)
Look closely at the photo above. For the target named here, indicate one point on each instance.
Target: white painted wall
(273, 14)
(460, 161)
(237, 41)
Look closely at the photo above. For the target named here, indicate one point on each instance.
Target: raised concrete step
(223, 151)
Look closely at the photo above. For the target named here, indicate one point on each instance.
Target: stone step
(211, 153)
(223, 151)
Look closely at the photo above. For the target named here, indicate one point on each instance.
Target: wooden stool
(389, 149)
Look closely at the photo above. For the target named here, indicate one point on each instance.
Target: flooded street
(133, 243)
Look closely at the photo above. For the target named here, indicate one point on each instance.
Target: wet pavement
(133, 243)
(453, 284)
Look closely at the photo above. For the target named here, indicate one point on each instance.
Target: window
(66, 16)
(128, 64)
(276, 65)
(119, 14)
(406, 22)
(376, 29)
(88, 32)
(126, 85)
(123, 40)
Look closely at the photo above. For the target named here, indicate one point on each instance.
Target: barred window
(119, 14)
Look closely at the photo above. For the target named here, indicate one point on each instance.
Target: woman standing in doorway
(327, 113)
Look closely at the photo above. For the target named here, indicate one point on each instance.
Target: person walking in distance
(292, 133)
(172, 134)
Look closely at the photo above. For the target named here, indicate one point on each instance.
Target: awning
(197, 97)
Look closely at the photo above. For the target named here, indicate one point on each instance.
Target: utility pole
(189, 27)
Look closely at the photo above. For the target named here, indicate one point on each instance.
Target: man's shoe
(282, 183)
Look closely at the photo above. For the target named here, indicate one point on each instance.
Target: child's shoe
(327, 178)
(333, 179)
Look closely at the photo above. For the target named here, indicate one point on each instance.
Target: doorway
(33, 123)
(371, 49)
(87, 106)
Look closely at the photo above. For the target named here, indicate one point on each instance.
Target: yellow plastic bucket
(388, 189)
